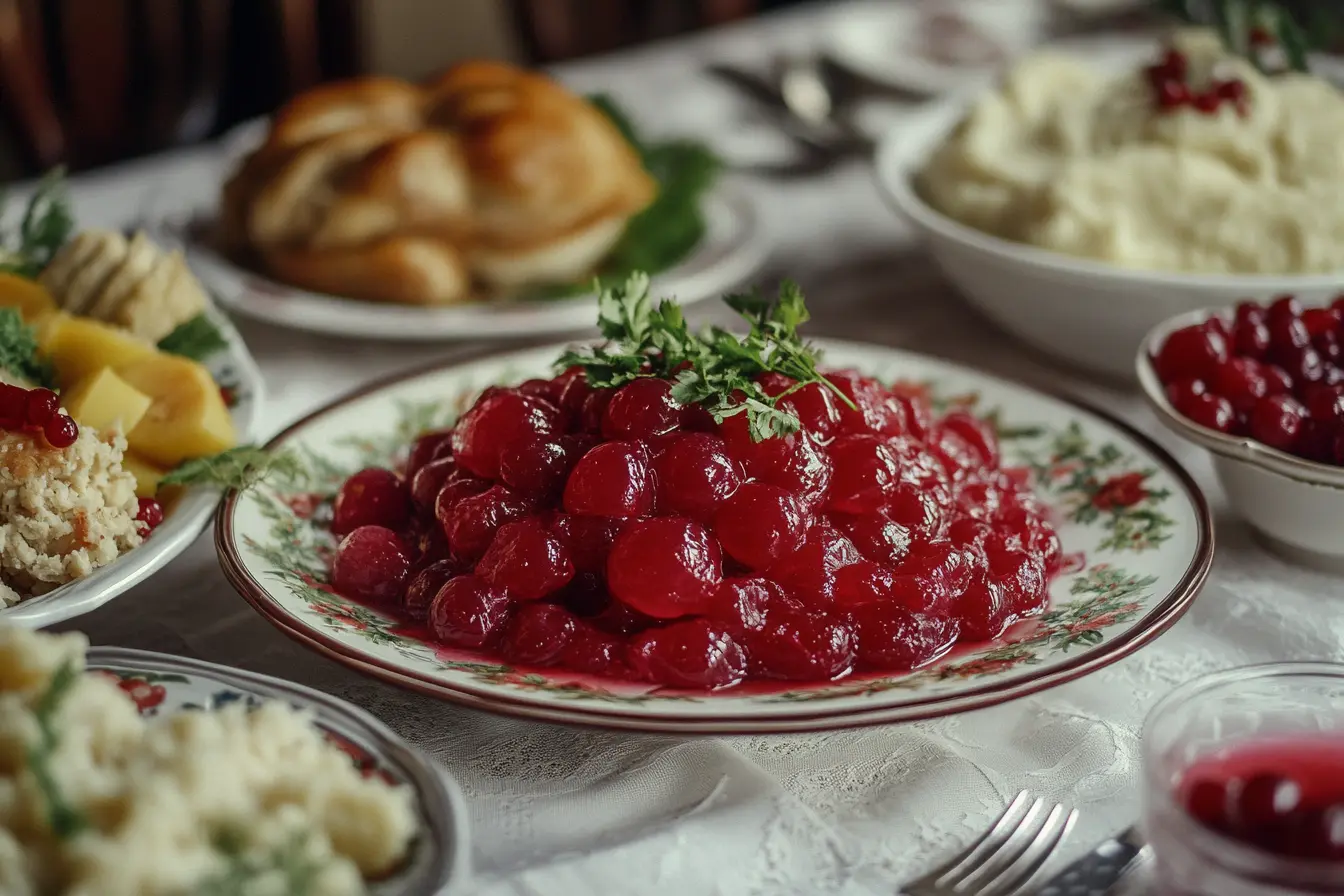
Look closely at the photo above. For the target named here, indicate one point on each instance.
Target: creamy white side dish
(96, 801)
(1066, 158)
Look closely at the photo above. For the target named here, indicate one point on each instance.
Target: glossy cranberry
(468, 612)
(149, 513)
(1320, 320)
(958, 456)
(495, 422)
(1190, 353)
(429, 446)
(1285, 335)
(865, 469)
(595, 652)
(1232, 89)
(473, 521)
(743, 604)
(983, 609)
(1211, 412)
(536, 466)
(924, 514)
(866, 582)
(41, 405)
(815, 406)
(1172, 94)
(978, 433)
(695, 476)
(800, 646)
(594, 409)
(536, 634)
(526, 561)
(641, 410)
(688, 654)
(1277, 421)
(1283, 307)
(877, 537)
(875, 409)
(1241, 381)
(809, 573)
(1207, 102)
(60, 431)
(587, 539)
(1303, 364)
(941, 560)
(371, 564)
(1330, 347)
(968, 530)
(429, 480)
(548, 390)
(893, 639)
(612, 479)
(1207, 800)
(665, 567)
(1251, 339)
(372, 497)
(425, 586)
(458, 485)
(1277, 379)
(13, 406)
(1021, 576)
(760, 524)
(1324, 404)
(794, 463)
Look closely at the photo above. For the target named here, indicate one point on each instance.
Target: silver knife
(1101, 869)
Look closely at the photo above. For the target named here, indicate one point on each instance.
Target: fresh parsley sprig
(196, 339)
(716, 369)
(1250, 28)
(239, 468)
(46, 224)
(18, 351)
(65, 820)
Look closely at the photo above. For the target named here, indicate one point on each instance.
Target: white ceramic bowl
(1295, 505)
(1088, 313)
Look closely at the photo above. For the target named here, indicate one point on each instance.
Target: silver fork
(1007, 857)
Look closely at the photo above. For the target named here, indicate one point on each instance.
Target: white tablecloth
(569, 811)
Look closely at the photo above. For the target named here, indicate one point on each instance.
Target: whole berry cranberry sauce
(615, 533)
(1169, 79)
(1274, 373)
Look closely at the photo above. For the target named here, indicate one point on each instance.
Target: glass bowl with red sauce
(1243, 791)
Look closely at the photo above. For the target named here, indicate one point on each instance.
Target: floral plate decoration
(240, 382)
(1136, 531)
(161, 684)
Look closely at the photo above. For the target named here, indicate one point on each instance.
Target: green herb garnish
(716, 369)
(239, 468)
(664, 233)
(64, 819)
(290, 863)
(46, 225)
(196, 339)
(1250, 28)
(18, 351)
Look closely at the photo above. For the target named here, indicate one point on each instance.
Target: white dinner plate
(1136, 533)
(233, 368)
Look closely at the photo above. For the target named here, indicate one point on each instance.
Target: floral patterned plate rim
(240, 379)
(1136, 530)
(160, 683)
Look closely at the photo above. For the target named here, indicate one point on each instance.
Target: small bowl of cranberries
(1261, 386)
(1242, 791)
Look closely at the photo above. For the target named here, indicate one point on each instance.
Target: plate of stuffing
(527, 197)
(141, 774)
(125, 400)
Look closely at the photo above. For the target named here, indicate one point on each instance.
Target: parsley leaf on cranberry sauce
(717, 368)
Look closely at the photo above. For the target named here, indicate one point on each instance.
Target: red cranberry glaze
(36, 411)
(616, 533)
(1278, 380)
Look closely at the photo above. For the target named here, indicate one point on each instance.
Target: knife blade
(1101, 869)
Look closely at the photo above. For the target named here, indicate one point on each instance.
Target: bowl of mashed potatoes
(1100, 188)
(126, 773)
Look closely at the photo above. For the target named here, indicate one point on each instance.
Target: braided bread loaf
(485, 179)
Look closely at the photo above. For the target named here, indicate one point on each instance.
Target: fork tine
(1019, 873)
(1018, 813)
(1007, 850)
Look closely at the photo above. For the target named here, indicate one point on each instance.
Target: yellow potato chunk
(147, 475)
(103, 400)
(28, 297)
(79, 347)
(188, 417)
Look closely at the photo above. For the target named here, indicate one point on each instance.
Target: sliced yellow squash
(30, 298)
(79, 347)
(102, 400)
(188, 417)
(147, 475)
